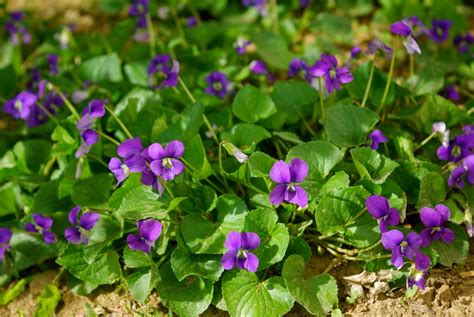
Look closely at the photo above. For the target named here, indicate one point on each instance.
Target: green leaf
(30, 250)
(82, 194)
(252, 105)
(372, 165)
(137, 74)
(273, 49)
(135, 259)
(10, 199)
(321, 157)
(195, 155)
(104, 68)
(338, 181)
(317, 294)
(65, 142)
(48, 300)
(189, 297)
(47, 199)
(32, 154)
(456, 252)
(141, 283)
(185, 264)
(13, 291)
(245, 295)
(348, 126)
(107, 229)
(202, 235)
(432, 190)
(105, 269)
(246, 136)
(294, 98)
(274, 236)
(260, 164)
(141, 202)
(430, 79)
(199, 198)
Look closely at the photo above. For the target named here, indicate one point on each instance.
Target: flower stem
(389, 79)
(46, 111)
(102, 134)
(193, 100)
(321, 102)
(221, 167)
(423, 143)
(412, 65)
(120, 123)
(151, 35)
(162, 181)
(369, 84)
(67, 103)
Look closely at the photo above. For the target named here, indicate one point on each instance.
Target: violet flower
(149, 231)
(377, 45)
(21, 106)
(417, 277)
(5, 236)
(461, 147)
(162, 72)
(218, 85)
(259, 5)
(450, 92)
(298, 66)
(327, 67)
(463, 42)
(119, 169)
(439, 31)
(378, 207)
(80, 232)
(434, 221)
(405, 247)
(53, 60)
(287, 176)
(375, 138)
(241, 45)
(355, 51)
(238, 256)
(88, 138)
(42, 224)
(191, 22)
(17, 31)
(131, 151)
(165, 162)
(138, 8)
(95, 109)
(258, 67)
(403, 29)
(235, 152)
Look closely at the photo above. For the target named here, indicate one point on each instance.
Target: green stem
(151, 34)
(321, 102)
(98, 159)
(58, 276)
(120, 123)
(412, 65)
(369, 84)
(423, 143)
(389, 79)
(46, 111)
(162, 181)
(221, 166)
(67, 103)
(102, 134)
(193, 100)
(275, 24)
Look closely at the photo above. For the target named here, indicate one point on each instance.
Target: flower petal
(425, 235)
(128, 146)
(430, 217)
(298, 170)
(447, 235)
(397, 258)
(43, 221)
(422, 261)
(174, 149)
(414, 240)
(280, 173)
(135, 243)
(73, 235)
(249, 240)
(72, 216)
(393, 217)
(149, 229)
(89, 220)
(5, 235)
(228, 260)
(400, 28)
(377, 206)
(233, 241)
(392, 239)
(277, 196)
(300, 198)
(444, 212)
(49, 237)
(156, 151)
(251, 262)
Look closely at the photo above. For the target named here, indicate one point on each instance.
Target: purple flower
(131, 151)
(403, 28)
(218, 85)
(258, 67)
(259, 5)
(450, 92)
(304, 3)
(378, 207)
(238, 245)
(241, 45)
(43, 226)
(150, 179)
(138, 8)
(434, 219)
(95, 109)
(463, 42)
(327, 67)
(148, 232)
(53, 60)
(355, 51)
(80, 232)
(287, 176)
(21, 106)
(461, 147)
(191, 22)
(235, 152)
(163, 72)
(439, 31)
(17, 31)
(405, 247)
(165, 162)
(296, 66)
(88, 139)
(377, 45)
(5, 236)
(417, 277)
(375, 138)
(119, 169)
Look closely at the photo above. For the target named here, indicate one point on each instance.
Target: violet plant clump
(207, 153)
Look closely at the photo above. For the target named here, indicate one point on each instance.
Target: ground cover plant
(204, 151)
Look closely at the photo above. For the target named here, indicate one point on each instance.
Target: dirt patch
(449, 292)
